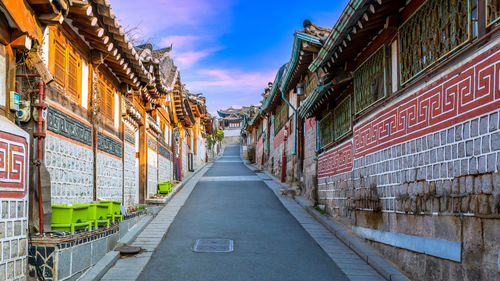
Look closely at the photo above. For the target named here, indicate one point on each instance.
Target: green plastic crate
(164, 187)
(114, 209)
(97, 214)
(70, 217)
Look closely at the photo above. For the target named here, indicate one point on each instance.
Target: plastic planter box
(164, 187)
(97, 214)
(114, 209)
(70, 217)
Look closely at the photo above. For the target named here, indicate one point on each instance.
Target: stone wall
(309, 165)
(420, 177)
(109, 177)
(185, 150)
(70, 165)
(164, 169)
(152, 172)
(14, 143)
(130, 188)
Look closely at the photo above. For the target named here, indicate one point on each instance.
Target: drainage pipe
(294, 125)
(40, 135)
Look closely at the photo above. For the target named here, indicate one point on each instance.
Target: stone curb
(384, 268)
(97, 271)
(167, 199)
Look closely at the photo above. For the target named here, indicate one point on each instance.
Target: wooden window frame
(70, 53)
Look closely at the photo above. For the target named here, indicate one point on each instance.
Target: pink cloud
(179, 41)
(231, 80)
(189, 58)
(156, 15)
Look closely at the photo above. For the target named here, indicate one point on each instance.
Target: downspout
(317, 136)
(294, 124)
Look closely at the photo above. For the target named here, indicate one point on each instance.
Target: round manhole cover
(129, 250)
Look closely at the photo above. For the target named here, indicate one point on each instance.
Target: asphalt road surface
(269, 244)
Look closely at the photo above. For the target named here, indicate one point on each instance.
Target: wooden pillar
(143, 161)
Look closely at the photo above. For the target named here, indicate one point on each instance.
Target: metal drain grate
(213, 246)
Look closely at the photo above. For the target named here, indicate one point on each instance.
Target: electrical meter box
(14, 101)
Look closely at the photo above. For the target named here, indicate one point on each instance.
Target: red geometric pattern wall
(13, 166)
(463, 94)
(336, 160)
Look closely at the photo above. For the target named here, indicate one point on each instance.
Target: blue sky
(227, 50)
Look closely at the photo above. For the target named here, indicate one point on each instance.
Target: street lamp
(300, 89)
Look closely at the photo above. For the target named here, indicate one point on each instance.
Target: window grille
(435, 30)
(281, 118)
(326, 130)
(342, 118)
(492, 12)
(370, 80)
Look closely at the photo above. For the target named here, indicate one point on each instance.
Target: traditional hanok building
(281, 138)
(231, 122)
(409, 139)
(20, 31)
(199, 140)
(158, 132)
(101, 115)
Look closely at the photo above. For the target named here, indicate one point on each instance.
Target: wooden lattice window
(342, 118)
(436, 29)
(65, 64)
(492, 12)
(259, 130)
(370, 80)
(311, 84)
(107, 97)
(281, 117)
(326, 130)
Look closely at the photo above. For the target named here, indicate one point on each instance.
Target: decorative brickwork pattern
(14, 168)
(463, 94)
(109, 145)
(13, 165)
(336, 160)
(71, 171)
(67, 126)
(109, 177)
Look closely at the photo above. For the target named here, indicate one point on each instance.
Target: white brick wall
(164, 169)
(109, 177)
(71, 171)
(13, 237)
(130, 188)
(152, 172)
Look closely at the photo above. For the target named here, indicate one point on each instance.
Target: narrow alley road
(231, 202)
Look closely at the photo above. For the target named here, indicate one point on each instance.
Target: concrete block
(469, 148)
(486, 184)
(473, 165)
(461, 150)
(491, 160)
(112, 240)
(481, 164)
(80, 258)
(466, 130)
(451, 135)
(99, 249)
(477, 146)
(485, 145)
(493, 122)
(483, 125)
(495, 141)
(459, 132)
(63, 264)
